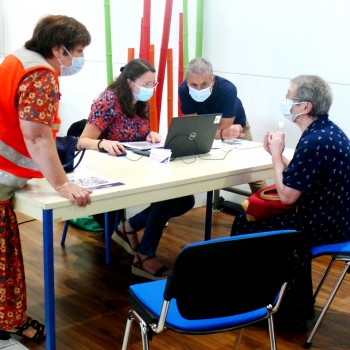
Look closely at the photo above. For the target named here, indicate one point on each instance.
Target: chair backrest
(232, 275)
(77, 128)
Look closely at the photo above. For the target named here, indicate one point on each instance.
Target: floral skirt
(12, 280)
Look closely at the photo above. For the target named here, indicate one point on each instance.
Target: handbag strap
(81, 152)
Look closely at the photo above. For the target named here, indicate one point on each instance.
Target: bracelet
(60, 186)
(221, 134)
(98, 145)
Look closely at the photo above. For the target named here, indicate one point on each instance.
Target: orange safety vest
(16, 165)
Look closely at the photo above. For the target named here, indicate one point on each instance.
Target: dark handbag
(264, 203)
(67, 151)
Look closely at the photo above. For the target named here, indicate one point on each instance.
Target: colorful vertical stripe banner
(154, 125)
(199, 28)
(170, 86)
(146, 28)
(109, 60)
(163, 54)
(185, 33)
(131, 54)
(180, 78)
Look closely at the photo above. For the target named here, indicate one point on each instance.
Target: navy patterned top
(107, 115)
(320, 168)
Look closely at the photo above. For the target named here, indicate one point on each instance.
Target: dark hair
(57, 30)
(133, 70)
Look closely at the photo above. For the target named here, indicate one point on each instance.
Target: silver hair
(199, 66)
(314, 89)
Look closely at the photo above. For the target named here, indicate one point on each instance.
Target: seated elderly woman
(316, 180)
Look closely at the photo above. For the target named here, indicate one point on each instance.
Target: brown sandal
(138, 269)
(122, 239)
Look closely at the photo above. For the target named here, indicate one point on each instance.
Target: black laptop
(193, 135)
(187, 136)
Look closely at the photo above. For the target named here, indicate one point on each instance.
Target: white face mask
(199, 95)
(144, 94)
(286, 106)
(75, 67)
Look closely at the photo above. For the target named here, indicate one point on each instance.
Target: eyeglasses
(292, 98)
(148, 85)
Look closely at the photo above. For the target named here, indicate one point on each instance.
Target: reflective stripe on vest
(17, 158)
(11, 180)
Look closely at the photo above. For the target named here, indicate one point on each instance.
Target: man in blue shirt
(204, 93)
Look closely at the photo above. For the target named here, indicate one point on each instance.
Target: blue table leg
(49, 286)
(107, 240)
(208, 216)
(64, 233)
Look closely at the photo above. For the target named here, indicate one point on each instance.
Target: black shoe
(4, 335)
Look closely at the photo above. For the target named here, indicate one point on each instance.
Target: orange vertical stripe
(131, 54)
(170, 85)
(153, 101)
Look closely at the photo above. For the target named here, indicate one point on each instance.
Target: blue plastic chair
(211, 288)
(337, 251)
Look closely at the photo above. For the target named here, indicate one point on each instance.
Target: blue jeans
(154, 218)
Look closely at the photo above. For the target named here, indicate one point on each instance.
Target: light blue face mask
(286, 106)
(144, 94)
(75, 67)
(199, 95)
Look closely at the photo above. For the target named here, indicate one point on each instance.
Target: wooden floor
(91, 298)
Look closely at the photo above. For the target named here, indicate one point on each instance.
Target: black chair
(337, 251)
(75, 130)
(216, 286)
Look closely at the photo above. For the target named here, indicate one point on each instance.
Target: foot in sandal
(31, 329)
(126, 237)
(149, 267)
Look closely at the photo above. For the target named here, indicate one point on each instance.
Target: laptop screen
(192, 135)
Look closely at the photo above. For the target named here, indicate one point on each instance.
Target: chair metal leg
(64, 233)
(238, 338)
(133, 315)
(127, 331)
(272, 333)
(324, 277)
(308, 342)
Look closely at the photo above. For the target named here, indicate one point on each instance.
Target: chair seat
(151, 295)
(336, 250)
(211, 288)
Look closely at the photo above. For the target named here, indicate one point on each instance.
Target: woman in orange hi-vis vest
(29, 123)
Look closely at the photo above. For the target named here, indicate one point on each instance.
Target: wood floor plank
(91, 298)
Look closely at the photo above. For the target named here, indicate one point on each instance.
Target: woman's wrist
(57, 188)
(99, 146)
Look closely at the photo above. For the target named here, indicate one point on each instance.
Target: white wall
(257, 44)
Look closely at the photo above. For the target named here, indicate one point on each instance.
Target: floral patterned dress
(36, 105)
(106, 114)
